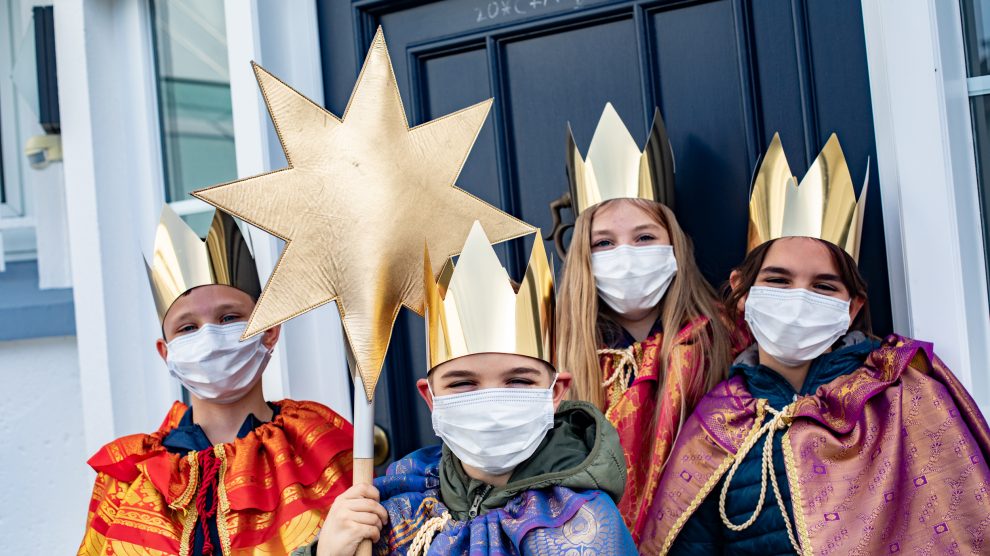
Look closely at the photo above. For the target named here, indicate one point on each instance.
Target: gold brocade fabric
(276, 485)
(647, 415)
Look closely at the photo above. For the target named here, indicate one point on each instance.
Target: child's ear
(560, 388)
(735, 282)
(424, 392)
(855, 306)
(270, 337)
(162, 348)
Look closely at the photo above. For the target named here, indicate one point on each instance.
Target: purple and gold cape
(889, 459)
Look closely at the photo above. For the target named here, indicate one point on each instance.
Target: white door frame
(931, 206)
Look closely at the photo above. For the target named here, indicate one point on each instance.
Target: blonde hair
(581, 319)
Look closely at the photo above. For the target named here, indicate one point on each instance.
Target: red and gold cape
(649, 412)
(889, 459)
(275, 486)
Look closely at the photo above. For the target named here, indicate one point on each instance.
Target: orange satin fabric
(277, 484)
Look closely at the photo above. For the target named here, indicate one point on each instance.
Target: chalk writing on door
(498, 10)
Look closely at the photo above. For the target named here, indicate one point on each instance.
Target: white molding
(18, 122)
(186, 207)
(978, 85)
(51, 235)
(959, 143)
(927, 173)
(251, 145)
(883, 122)
(34, 215)
(16, 223)
(310, 362)
(11, 137)
(114, 193)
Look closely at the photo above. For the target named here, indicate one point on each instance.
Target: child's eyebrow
(776, 270)
(524, 371)
(182, 317)
(457, 373)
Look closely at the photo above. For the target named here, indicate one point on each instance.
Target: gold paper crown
(473, 308)
(823, 206)
(182, 261)
(615, 168)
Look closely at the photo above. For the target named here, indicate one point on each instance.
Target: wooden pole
(364, 444)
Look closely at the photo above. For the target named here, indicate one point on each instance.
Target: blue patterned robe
(547, 521)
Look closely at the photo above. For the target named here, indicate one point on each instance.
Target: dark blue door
(726, 75)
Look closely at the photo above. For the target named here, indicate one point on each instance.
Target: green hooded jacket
(581, 452)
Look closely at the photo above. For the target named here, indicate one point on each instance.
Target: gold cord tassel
(424, 537)
(624, 369)
(781, 420)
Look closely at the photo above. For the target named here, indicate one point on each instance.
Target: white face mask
(795, 325)
(631, 278)
(494, 429)
(215, 365)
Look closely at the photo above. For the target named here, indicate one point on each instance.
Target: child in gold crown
(231, 473)
(823, 440)
(641, 330)
(520, 470)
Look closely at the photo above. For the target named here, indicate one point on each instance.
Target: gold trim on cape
(710, 484)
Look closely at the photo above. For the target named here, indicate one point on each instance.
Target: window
(18, 121)
(3, 191)
(976, 35)
(194, 102)
(26, 309)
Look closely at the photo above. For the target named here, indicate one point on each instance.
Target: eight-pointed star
(360, 198)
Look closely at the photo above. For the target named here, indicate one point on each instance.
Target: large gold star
(361, 196)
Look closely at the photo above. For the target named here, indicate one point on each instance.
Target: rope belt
(625, 367)
(780, 421)
(424, 537)
(207, 496)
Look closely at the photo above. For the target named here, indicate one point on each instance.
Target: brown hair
(581, 318)
(849, 274)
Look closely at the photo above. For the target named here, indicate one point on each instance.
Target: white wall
(45, 491)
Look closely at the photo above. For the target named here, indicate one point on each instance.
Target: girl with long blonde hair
(639, 328)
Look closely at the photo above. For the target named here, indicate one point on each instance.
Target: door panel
(451, 83)
(726, 75)
(842, 105)
(777, 76)
(701, 96)
(555, 77)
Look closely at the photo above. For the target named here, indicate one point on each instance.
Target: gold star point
(361, 196)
